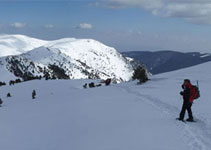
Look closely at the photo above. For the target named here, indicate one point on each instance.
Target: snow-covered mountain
(67, 58)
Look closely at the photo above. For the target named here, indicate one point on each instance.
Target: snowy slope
(95, 55)
(64, 116)
(5, 75)
(77, 58)
(166, 61)
(125, 116)
(162, 92)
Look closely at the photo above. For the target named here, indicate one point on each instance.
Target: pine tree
(140, 74)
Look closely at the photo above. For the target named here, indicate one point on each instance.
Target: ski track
(198, 135)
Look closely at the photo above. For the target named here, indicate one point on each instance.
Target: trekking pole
(197, 83)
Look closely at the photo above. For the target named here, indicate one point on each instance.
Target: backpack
(195, 93)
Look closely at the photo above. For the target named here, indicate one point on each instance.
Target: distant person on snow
(107, 82)
(33, 94)
(187, 100)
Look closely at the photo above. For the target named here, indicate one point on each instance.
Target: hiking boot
(190, 120)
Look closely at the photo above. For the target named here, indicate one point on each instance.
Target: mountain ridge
(73, 58)
(166, 61)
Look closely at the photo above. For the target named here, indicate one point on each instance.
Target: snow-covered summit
(18, 44)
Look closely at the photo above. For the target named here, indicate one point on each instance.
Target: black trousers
(186, 106)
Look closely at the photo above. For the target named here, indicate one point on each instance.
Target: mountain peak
(76, 58)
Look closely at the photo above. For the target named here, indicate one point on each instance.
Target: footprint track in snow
(197, 134)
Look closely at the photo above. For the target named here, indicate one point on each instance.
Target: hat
(187, 80)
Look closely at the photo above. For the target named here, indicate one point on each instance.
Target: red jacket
(188, 92)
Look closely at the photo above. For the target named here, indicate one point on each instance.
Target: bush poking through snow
(2, 83)
(91, 85)
(140, 74)
(9, 95)
(85, 85)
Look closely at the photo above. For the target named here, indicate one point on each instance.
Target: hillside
(166, 61)
(117, 117)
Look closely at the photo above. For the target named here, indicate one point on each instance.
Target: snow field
(117, 117)
(65, 116)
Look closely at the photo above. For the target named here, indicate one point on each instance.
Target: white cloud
(194, 11)
(18, 25)
(85, 26)
(49, 26)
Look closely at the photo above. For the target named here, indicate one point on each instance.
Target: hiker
(107, 82)
(33, 94)
(187, 101)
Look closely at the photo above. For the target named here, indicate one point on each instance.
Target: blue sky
(124, 24)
